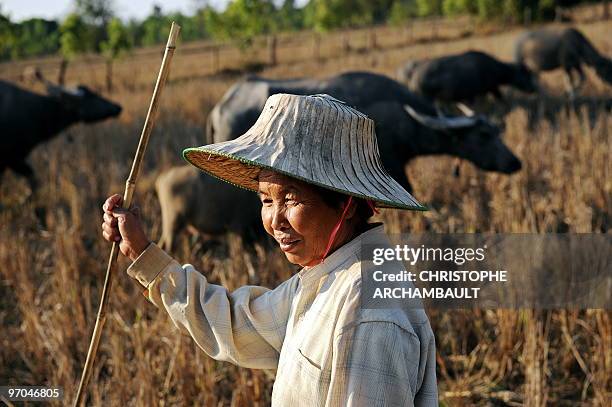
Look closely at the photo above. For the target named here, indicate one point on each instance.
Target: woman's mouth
(287, 245)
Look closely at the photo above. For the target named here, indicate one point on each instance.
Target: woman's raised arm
(246, 327)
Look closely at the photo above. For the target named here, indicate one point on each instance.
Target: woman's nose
(279, 220)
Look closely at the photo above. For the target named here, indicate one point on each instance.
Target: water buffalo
(567, 48)
(187, 196)
(28, 119)
(465, 77)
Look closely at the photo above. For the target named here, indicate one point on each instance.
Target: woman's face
(294, 213)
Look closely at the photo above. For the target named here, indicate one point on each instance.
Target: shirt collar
(342, 254)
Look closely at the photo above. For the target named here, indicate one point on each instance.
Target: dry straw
(130, 186)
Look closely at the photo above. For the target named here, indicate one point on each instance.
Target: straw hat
(317, 139)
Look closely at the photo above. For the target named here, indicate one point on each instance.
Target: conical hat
(317, 139)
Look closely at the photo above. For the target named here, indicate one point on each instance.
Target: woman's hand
(123, 226)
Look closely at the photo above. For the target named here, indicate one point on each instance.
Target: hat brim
(244, 173)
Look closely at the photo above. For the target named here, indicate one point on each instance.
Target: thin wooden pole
(130, 186)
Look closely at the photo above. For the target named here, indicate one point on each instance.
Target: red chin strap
(332, 236)
(371, 205)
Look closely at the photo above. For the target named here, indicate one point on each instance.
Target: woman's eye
(266, 201)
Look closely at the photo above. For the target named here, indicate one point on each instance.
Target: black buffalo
(28, 119)
(567, 48)
(464, 77)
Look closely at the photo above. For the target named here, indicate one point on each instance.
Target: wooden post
(61, 76)
(109, 74)
(527, 17)
(346, 45)
(316, 46)
(373, 44)
(215, 60)
(272, 50)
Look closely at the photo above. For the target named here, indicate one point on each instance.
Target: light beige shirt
(326, 349)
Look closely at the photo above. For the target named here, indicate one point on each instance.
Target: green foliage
(402, 11)
(75, 36)
(325, 15)
(429, 7)
(89, 29)
(153, 27)
(244, 19)
(490, 8)
(38, 37)
(31, 37)
(288, 17)
(7, 37)
(95, 12)
(117, 41)
(454, 7)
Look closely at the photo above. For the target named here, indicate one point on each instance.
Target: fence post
(316, 46)
(61, 76)
(272, 50)
(346, 45)
(215, 59)
(527, 17)
(372, 39)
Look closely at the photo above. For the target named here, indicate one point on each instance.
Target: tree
(325, 15)
(153, 27)
(289, 17)
(117, 42)
(454, 7)
(37, 36)
(7, 37)
(490, 8)
(244, 19)
(427, 8)
(402, 11)
(95, 12)
(74, 39)
(241, 21)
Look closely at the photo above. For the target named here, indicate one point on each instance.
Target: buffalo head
(523, 79)
(87, 105)
(473, 138)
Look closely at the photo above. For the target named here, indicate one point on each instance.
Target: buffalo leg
(581, 77)
(172, 223)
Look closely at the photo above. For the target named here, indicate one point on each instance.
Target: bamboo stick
(130, 186)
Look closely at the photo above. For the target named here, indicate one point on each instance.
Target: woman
(314, 163)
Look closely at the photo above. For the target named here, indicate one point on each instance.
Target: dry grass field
(52, 256)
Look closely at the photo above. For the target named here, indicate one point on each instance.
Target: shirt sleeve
(246, 327)
(379, 363)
